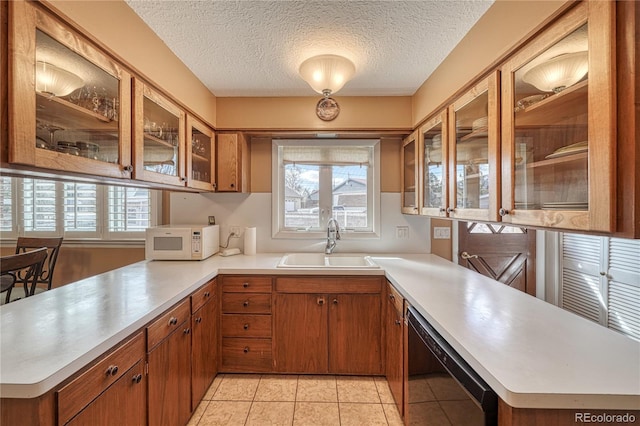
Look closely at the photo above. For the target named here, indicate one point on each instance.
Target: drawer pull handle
(186, 330)
(207, 294)
(173, 321)
(245, 285)
(246, 349)
(335, 301)
(198, 320)
(112, 370)
(137, 378)
(246, 326)
(245, 303)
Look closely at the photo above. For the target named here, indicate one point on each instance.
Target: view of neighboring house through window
(40, 207)
(317, 180)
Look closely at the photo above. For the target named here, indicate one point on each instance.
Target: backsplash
(244, 210)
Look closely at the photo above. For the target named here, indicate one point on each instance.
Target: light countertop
(533, 354)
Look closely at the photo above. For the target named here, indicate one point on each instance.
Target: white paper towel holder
(250, 241)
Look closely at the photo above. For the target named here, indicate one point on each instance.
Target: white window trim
(277, 196)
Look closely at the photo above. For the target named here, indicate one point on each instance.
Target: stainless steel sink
(321, 260)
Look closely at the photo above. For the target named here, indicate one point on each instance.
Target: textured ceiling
(254, 48)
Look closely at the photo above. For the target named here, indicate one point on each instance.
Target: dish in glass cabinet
(530, 100)
(574, 148)
(479, 123)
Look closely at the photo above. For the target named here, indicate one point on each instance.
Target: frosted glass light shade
(558, 73)
(55, 81)
(327, 74)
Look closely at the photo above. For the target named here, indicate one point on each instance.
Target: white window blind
(601, 281)
(6, 206)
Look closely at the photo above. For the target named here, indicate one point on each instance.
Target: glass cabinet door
(200, 155)
(78, 118)
(159, 124)
(473, 159)
(434, 151)
(550, 130)
(410, 172)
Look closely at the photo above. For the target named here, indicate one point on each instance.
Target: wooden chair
(24, 268)
(45, 278)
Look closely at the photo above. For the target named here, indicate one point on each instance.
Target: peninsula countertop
(533, 354)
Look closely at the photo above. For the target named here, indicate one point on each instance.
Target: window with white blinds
(40, 207)
(601, 281)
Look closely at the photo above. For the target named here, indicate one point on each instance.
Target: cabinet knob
(246, 326)
(183, 179)
(503, 212)
(186, 330)
(112, 370)
(246, 349)
(335, 301)
(398, 322)
(392, 297)
(320, 301)
(443, 210)
(198, 320)
(214, 185)
(137, 378)
(128, 168)
(207, 294)
(233, 185)
(245, 303)
(245, 285)
(450, 210)
(173, 321)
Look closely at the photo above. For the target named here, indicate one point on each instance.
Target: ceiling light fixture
(54, 81)
(559, 72)
(326, 74)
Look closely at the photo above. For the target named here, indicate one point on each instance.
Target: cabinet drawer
(393, 296)
(246, 355)
(73, 397)
(239, 303)
(235, 325)
(203, 295)
(253, 284)
(329, 285)
(167, 323)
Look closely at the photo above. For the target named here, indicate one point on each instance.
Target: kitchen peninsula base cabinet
(204, 341)
(394, 337)
(328, 325)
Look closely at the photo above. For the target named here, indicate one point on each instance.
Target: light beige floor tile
(392, 414)
(427, 414)
(317, 389)
(271, 413)
(277, 388)
(316, 414)
(225, 413)
(419, 390)
(386, 397)
(237, 387)
(462, 412)
(357, 414)
(445, 388)
(214, 386)
(198, 412)
(357, 389)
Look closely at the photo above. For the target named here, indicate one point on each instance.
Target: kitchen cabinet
(433, 139)
(204, 341)
(410, 172)
(246, 324)
(474, 156)
(559, 136)
(394, 355)
(328, 325)
(159, 132)
(233, 163)
(113, 391)
(169, 367)
(69, 103)
(201, 158)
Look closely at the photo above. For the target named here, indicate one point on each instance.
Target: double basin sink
(321, 260)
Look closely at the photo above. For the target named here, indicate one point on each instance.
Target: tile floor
(253, 399)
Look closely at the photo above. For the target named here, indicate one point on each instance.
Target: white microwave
(182, 242)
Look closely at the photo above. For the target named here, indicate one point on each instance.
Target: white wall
(255, 210)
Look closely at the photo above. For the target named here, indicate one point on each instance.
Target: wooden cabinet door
(123, 403)
(355, 336)
(394, 351)
(204, 355)
(233, 163)
(300, 333)
(410, 171)
(201, 157)
(169, 379)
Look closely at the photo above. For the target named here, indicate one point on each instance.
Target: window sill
(322, 235)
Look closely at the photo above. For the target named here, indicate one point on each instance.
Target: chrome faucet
(333, 234)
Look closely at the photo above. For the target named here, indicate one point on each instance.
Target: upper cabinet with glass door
(433, 138)
(474, 152)
(558, 122)
(69, 103)
(200, 155)
(410, 172)
(159, 146)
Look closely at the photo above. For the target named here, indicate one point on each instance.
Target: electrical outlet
(402, 232)
(212, 220)
(441, 233)
(235, 231)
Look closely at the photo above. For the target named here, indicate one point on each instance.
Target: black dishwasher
(443, 388)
